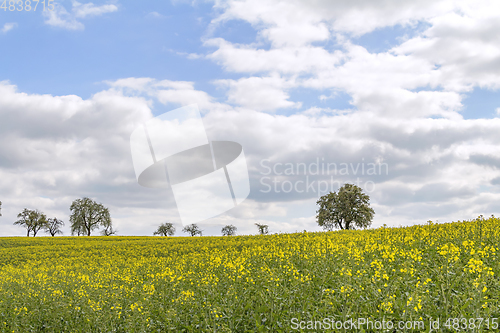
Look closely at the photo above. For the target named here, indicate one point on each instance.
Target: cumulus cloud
(155, 15)
(303, 22)
(464, 46)
(89, 9)
(58, 148)
(60, 17)
(426, 75)
(175, 93)
(286, 60)
(8, 27)
(260, 93)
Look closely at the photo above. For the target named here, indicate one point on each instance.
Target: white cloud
(60, 17)
(190, 56)
(260, 93)
(422, 154)
(58, 148)
(464, 44)
(424, 76)
(302, 21)
(286, 60)
(283, 23)
(89, 9)
(175, 93)
(138, 84)
(7, 27)
(155, 15)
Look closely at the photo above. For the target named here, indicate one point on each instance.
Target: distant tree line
(168, 229)
(86, 216)
(349, 208)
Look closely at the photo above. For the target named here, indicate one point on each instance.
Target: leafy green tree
(32, 220)
(229, 230)
(87, 215)
(263, 228)
(24, 220)
(165, 229)
(53, 226)
(77, 229)
(192, 229)
(347, 209)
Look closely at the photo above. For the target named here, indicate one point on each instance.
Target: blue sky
(414, 85)
(131, 42)
(153, 39)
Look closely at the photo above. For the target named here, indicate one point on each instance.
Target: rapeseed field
(270, 283)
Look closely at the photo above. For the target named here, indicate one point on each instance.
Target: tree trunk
(347, 225)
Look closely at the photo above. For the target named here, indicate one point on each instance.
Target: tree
(24, 220)
(108, 229)
(32, 220)
(229, 230)
(192, 229)
(87, 215)
(165, 229)
(263, 228)
(347, 209)
(53, 226)
(0, 208)
(77, 229)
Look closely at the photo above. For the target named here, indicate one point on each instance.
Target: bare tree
(193, 230)
(263, 228)
(229, 230)
(108, 229)
(165, 229)
(32, 220)
(53, 226)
